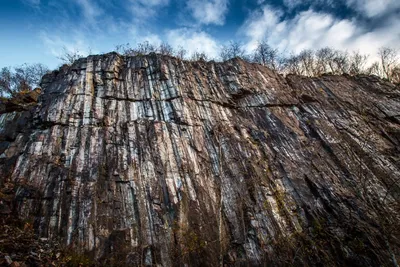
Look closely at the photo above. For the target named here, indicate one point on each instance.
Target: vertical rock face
(156, 161)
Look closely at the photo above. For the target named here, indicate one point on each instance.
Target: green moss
(357, 245)
(192, 242)
(280, 200)
(73, 259)
(318, 229)
(189, 240)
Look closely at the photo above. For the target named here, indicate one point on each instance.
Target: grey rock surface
(156, 161)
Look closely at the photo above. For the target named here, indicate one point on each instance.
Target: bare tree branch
(232, 50)
(21, 78)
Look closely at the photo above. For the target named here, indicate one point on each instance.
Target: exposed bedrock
(156, 161)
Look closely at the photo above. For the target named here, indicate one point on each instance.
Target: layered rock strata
(156, 161)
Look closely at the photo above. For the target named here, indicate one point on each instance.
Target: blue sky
(36, 30)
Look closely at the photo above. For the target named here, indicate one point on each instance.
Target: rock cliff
(152, 160)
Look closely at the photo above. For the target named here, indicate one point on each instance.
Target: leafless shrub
(324, 58)
(232, 50)
(374, 69)
(145, 48)
(306, 59)
(181, 53)
(388, 61)
(292, 65)
(327, 60)
(141, 49)
(341, 62)
(70, 56)
(308, 62)
(196, 56)
(124, 49)
(358, 63)
(165, 49)
(265, 55)
(21, 78)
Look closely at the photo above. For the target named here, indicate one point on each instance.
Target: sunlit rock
(156, 161)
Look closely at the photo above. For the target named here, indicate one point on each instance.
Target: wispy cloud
(153, 2)
(291, 4)
(193, 41)
(208, 11)
(312, 29)
(56, 44)
(140, 35)
(90, 9)
(373, 8)
(145, 9)
(32, 3)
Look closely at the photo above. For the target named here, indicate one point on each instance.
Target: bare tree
(388, 60)
(292, 65)
(308, 62)
(180, 53)
(21, 78)
(196, 56)
(341, 62)
(328, 60)
(232, 50)
(358, 63)
(165, 49)
(145, 48)
(31, 73)
(124, 49)
(6, 82)
(374, 69)
(265, 55)
(306, 58)
(69, 57)
(141, 49)
(324, 60)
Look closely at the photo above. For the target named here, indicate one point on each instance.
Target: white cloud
(153, 2)
(260, 24)
(143, 9)
(373, 8)
(208, 11)
(33, 3)
(56, 44)
(293, 3)
(193, 41)
(90, 9)
(140, 35)
(152, 38)
(387, 35)
(310, 29)
(369, 8)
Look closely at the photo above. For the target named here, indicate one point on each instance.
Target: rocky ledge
(152, 160)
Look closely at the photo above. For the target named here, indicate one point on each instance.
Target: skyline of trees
(307, 63)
